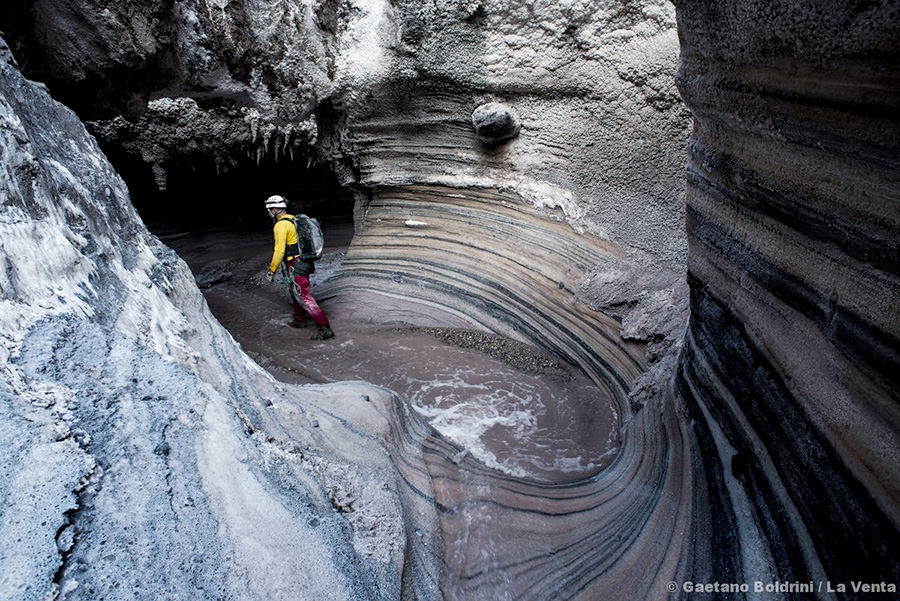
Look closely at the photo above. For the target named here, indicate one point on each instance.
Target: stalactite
(160, 176)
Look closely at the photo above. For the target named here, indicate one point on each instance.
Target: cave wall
(773, 455)
(598, 147)
(183, 84)
(383, 94)
(145, 456)
(602, 127)
(98, 56)
(792, 220)
(106, 59)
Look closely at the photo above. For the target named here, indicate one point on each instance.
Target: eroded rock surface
(791, 357)
(147, 455)
(772, 455)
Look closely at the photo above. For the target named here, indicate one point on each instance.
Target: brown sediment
(525, 410)
(516, 354)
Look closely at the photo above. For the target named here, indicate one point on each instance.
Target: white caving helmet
(276, 202)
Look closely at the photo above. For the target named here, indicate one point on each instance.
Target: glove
(270, 276)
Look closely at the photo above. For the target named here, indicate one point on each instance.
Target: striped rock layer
(773, 455)
(792, 355)
(497, 262)
(504, 266)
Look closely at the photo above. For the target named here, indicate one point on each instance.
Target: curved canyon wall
(791, 358)
(771, 456)
(541, 232)
(148, 457)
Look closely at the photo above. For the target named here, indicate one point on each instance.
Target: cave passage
(522, 411)
(200, 197)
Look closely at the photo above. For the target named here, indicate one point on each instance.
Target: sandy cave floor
(509, 404)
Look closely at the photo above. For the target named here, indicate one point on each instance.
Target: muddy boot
(323, 333)
(297, 323)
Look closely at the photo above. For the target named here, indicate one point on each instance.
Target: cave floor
(509, 404)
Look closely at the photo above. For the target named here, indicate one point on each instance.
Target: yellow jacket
(285, 235)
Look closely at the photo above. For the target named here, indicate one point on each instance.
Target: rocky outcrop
(791, 358)
(495, 122)
(108, 58)
(101, 57)
(184, 83)
(767, 451)
(147, 457)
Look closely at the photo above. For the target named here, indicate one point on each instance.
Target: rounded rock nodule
(494, 122)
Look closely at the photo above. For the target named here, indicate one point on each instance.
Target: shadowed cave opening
(199, 196)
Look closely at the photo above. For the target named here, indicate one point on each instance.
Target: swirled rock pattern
(766, 451)
(499, 263)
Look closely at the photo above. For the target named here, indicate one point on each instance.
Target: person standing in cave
(287, 249)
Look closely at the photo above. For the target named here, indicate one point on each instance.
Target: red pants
(303, 299)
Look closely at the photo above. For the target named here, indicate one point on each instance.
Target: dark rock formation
(767, 450)
(494, 122)
(101, 57)
(792, 356)
(174, 84)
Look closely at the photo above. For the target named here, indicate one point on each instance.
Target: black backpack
(310, 240)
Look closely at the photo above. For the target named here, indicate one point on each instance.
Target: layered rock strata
(601, 130)
(774, 459)
(791, 358)
(500, 265)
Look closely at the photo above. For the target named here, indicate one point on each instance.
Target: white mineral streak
(363, 55)
(282, 555)
(35, 288)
